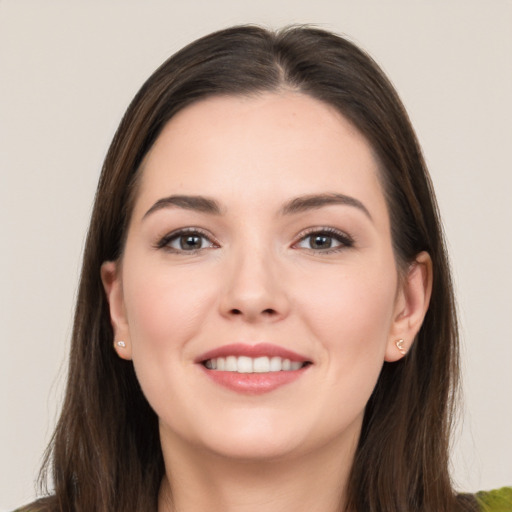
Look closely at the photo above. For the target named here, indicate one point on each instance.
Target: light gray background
(68, 70)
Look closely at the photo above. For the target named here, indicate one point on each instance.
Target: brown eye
(185, 241)
(324, 241)
(190, 242)
(320, 241)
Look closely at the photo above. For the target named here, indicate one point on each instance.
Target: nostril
(265, 312)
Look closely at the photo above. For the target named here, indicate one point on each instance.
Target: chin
(243, 435)
(253, 449)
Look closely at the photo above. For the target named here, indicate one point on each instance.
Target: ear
(411, 306)
(112, 283)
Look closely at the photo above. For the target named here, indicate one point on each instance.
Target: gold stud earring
(400, 346)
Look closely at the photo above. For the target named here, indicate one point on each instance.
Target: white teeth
(244, 364)
(275, 364)
(261, 365)
(231, 364)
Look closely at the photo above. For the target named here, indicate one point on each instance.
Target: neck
(198, 480)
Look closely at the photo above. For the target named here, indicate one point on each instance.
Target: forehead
(271, 146)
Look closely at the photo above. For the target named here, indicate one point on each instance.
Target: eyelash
(165, 241)
(344, 240)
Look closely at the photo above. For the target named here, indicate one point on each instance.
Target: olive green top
(499, 500)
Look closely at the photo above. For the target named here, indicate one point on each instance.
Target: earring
(121, 344)
(400, 346)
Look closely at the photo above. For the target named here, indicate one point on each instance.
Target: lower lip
(254, 383)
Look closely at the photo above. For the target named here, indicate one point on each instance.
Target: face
(258, 294)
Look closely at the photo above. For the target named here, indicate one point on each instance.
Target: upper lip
(258, 350)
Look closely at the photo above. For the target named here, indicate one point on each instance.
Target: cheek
(350, 313)
(165, 309)
(350, 318)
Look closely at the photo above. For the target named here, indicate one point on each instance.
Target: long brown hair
(105, 454)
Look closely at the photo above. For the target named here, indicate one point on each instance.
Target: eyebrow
(196, 203)
(315, 201)
(297, 205)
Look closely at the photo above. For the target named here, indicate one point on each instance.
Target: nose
(254, 289)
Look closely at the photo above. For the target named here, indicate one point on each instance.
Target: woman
(265, 318)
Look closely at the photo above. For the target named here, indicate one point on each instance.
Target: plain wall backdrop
(68, 70)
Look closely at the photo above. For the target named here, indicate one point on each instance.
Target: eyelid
(344, 238)
(163, 241)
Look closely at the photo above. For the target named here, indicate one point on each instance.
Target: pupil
(190, 242)
(321, 242)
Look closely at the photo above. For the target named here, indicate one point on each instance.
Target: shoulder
(499, 500)
(45, 504)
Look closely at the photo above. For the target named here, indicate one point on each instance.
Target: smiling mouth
(253, 369)
(245, 364)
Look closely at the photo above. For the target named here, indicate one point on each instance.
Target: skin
(258, 278)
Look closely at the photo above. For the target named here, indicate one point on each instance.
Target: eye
(324, 240)
(186, 240)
